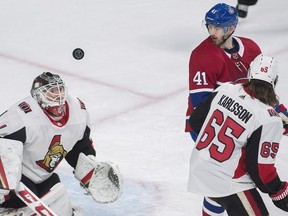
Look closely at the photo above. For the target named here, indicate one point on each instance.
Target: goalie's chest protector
(47, 144)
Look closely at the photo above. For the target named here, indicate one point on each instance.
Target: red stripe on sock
(253, 203)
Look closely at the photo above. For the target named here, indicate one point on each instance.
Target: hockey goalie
(36, 134)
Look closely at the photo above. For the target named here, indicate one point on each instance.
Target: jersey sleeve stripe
(201, 90)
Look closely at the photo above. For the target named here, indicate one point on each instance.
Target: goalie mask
(50, 92)
(264, 68)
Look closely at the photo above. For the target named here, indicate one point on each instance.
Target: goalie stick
(33, 201)
(283, 117)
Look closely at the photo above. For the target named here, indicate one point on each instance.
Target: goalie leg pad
(102, 180)
(58, 200)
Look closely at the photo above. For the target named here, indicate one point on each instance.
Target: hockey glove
(280, 198)
(282, 111)
(102, 180)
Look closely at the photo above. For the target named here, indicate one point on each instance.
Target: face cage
(51, 95)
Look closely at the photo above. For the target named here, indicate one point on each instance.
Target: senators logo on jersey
(53, 157)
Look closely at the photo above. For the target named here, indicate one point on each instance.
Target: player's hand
(280, 198)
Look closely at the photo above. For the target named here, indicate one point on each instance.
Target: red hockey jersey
(210, 66)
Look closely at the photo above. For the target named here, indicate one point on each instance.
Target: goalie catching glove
(102, 180)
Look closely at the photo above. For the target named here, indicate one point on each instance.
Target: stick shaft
(33, 201)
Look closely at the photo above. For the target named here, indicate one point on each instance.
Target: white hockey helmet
(264, 68)
(50, 92)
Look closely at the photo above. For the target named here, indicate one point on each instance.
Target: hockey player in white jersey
(36, 134)
(239, 135)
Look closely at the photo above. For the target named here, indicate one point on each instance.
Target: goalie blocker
(102, 180)
(10, 166)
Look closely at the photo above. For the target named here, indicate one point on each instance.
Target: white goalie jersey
(46, 143)
(238, 141)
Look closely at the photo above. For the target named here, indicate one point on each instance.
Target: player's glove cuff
(280, 108)
(282, 111)
(280, 198)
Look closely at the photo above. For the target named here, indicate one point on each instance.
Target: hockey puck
(78, 53)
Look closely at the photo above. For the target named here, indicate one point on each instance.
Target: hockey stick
(33, 201)
(283, 117)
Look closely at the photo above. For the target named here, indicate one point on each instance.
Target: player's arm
(202, 77)
(261, 151)
(261, 155)
(11, 125)
(85, 145)
(198, 117)
(202, 81)
(102, 180)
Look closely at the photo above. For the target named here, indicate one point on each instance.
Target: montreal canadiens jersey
(210, 66)
(46, 144)
(239, 135)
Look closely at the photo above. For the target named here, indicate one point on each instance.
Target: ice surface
(134, 81)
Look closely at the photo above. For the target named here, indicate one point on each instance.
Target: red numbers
(264, 69)
(269, 149)
(228, 130)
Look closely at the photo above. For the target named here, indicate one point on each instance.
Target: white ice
(134, 81)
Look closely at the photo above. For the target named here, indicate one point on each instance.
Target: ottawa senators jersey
(46, 142)
(210, 66)
(237, 144)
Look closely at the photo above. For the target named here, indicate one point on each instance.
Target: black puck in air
(78, 53)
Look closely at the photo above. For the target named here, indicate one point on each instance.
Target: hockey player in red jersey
(220, 58)
(37, 133)
(239, 136)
